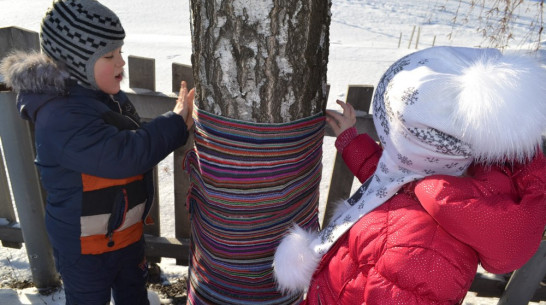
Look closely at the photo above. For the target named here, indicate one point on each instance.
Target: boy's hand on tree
(184, 104)
(341, 122)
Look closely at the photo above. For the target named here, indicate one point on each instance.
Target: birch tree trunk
(261, 65)
(261, 61)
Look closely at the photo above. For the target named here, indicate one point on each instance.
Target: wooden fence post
(411, 37)
(418, 36)
(6, 206)
(18, 148)
(149, 106)
(181, 177)
(155, 228)
(141, 72)
(15, 38)
(181, 187)
(181, 72)
(360, 97)
(142, 76)
(525, 281)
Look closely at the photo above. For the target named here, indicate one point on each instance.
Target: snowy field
(365, 38)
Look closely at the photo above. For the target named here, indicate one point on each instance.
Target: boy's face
(109, 71)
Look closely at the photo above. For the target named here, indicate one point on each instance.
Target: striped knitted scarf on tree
(250, 183)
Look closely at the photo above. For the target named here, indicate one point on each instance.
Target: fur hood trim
(295, 261)
(33, 72)
(501, 107)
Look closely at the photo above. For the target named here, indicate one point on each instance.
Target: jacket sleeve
(500, 211)
(360, 152)
(86, 143)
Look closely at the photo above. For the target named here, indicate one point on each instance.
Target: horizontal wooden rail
(179, 248)
(11, 234)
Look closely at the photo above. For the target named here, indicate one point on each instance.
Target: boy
(94, 156)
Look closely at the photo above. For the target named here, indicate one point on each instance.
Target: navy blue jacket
(95, 159)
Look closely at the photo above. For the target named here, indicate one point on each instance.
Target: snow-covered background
(365, 38)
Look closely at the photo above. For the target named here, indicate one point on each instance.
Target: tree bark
(261, 61)
(255, 61)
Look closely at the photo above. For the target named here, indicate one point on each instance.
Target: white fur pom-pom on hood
(501, 107)
(295, 261)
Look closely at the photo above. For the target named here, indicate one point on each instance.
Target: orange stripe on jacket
(98, 244)
(91, 183)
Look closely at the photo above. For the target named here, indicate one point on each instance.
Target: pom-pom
(295, 262)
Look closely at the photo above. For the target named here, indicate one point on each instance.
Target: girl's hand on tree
(341, 122)
(184, 104)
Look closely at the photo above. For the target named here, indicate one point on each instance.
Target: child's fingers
(333, 124)
(334, 117)
(189, 122)
(350, 110)
(347, 108)
(334, 114)
(189, 97)
(188, 105)
(342, 104)
(339, 122)
(183, 91)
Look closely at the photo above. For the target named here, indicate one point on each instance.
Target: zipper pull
(111, 242)
(117, 103)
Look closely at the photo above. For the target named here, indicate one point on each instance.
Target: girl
(457, 180)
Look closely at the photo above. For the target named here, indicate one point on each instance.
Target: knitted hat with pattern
(78, 32)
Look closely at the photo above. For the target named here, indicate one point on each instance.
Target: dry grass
(496, 20)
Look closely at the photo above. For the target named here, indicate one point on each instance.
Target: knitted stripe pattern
(250, 183)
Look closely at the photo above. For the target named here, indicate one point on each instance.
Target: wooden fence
(16, 137)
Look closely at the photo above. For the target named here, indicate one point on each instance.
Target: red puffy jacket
(424, 244)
